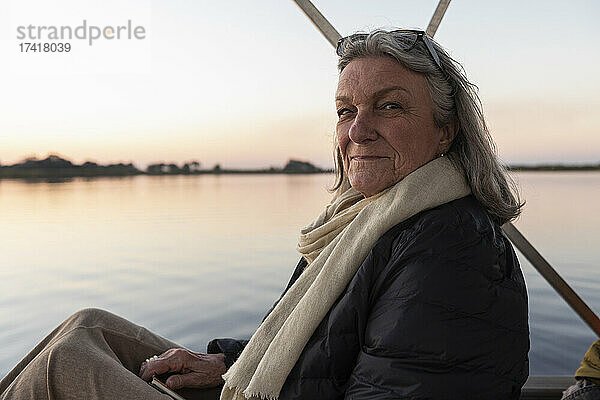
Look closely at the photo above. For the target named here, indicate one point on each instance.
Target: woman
(406, 288)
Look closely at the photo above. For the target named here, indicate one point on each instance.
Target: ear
(448, 134)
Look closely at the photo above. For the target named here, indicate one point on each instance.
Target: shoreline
(66, 173)
(41, 174)
(57, 167)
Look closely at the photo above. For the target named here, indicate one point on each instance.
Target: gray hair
(455, 100)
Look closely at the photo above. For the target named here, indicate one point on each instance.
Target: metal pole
(330, 33)
(552, 277)
(534, 257)
(437, 16)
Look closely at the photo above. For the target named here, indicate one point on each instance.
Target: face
(385, 127)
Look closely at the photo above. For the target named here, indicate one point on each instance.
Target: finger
(183, 380)
(142, 368)
(144, 364)
(156, 367)
(170, 361)
(174, 382)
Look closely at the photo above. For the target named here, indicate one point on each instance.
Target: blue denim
(582, 390)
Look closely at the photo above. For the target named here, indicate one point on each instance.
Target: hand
(194, 370)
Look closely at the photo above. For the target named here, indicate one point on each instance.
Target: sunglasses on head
(406, 38)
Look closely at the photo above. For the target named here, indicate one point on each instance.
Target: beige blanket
(273, 350)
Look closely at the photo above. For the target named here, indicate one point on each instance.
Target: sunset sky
(251, 83)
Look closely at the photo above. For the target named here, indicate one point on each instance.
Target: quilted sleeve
(448, 319)
(231, 348)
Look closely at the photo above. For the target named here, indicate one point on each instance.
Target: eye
(391, 106)
(343, 111)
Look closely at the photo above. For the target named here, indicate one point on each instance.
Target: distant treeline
(556, 167)
(55, 166)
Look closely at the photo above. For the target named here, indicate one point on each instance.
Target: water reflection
(196, 257)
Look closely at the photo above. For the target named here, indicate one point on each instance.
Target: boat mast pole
(520, 242)
(319, 21)
(436, 18)
(552, 277)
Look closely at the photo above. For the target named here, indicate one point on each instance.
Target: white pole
(552, 277)
(330, 33)
(436, 18)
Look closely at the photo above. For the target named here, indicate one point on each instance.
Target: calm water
(198, 257)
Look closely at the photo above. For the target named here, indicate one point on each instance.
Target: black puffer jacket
(438, 310)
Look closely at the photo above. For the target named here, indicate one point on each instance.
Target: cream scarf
(342, 236)
(337, 215)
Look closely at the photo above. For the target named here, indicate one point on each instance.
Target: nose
(362, 129)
